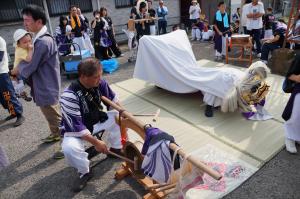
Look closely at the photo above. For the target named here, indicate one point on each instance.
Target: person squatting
(83, 116)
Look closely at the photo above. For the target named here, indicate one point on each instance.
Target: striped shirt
(72, 120)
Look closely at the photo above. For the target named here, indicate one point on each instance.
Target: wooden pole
(47, 16)
(196, 162)
(121, 157)
(289, 24)
(155, 118)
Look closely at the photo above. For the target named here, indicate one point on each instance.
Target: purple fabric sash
(286, 115)
(150, 133)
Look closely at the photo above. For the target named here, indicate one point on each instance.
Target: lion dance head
(253, 88)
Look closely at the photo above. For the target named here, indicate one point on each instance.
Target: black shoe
(10, 117)
(80, 183)
(20, 120)
(209, 111)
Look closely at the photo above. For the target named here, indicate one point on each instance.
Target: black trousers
(101, 52)
(114, 46)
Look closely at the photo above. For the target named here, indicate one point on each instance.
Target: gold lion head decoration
(253, 87)
(249, 90)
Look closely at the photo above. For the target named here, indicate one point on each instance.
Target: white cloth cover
(169, 62)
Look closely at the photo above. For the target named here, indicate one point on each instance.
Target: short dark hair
(36, 12)
(96, 12)
(142, 5)
(221, 3)
(269, 9)
(72, 6)
(89, 66)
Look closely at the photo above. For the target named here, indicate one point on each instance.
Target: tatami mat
(182, 116)
(189, 137)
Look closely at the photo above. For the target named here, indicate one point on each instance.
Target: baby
(23, 52)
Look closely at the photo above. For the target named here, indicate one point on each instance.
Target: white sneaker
(258, 55)
(290, 145)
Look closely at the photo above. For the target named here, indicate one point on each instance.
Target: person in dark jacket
(142, 27)
(101, 39)
(62, 36)
(114, 48)
(279, 29)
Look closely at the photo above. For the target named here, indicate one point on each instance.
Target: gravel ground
(34, 174)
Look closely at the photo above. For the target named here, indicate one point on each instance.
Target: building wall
(119, 16)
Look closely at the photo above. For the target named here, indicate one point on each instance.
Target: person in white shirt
(244, 18)
(194, 12)
(254, 13)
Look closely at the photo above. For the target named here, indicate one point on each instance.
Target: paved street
(34, 174)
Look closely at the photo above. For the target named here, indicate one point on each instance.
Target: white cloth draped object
(169, 62)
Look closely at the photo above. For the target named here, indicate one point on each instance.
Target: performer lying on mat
(179, 72)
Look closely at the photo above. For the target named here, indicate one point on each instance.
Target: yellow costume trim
(73, 24)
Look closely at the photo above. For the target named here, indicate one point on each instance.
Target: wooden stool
(243, 42)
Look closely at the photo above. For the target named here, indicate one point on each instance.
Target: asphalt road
(33, 174)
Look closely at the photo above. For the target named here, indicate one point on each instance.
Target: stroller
(69, 62)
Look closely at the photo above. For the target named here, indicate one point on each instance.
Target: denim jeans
(266, 49)
(8, 97)
(162, 25)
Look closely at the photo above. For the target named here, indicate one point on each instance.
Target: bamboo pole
(196, 162)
